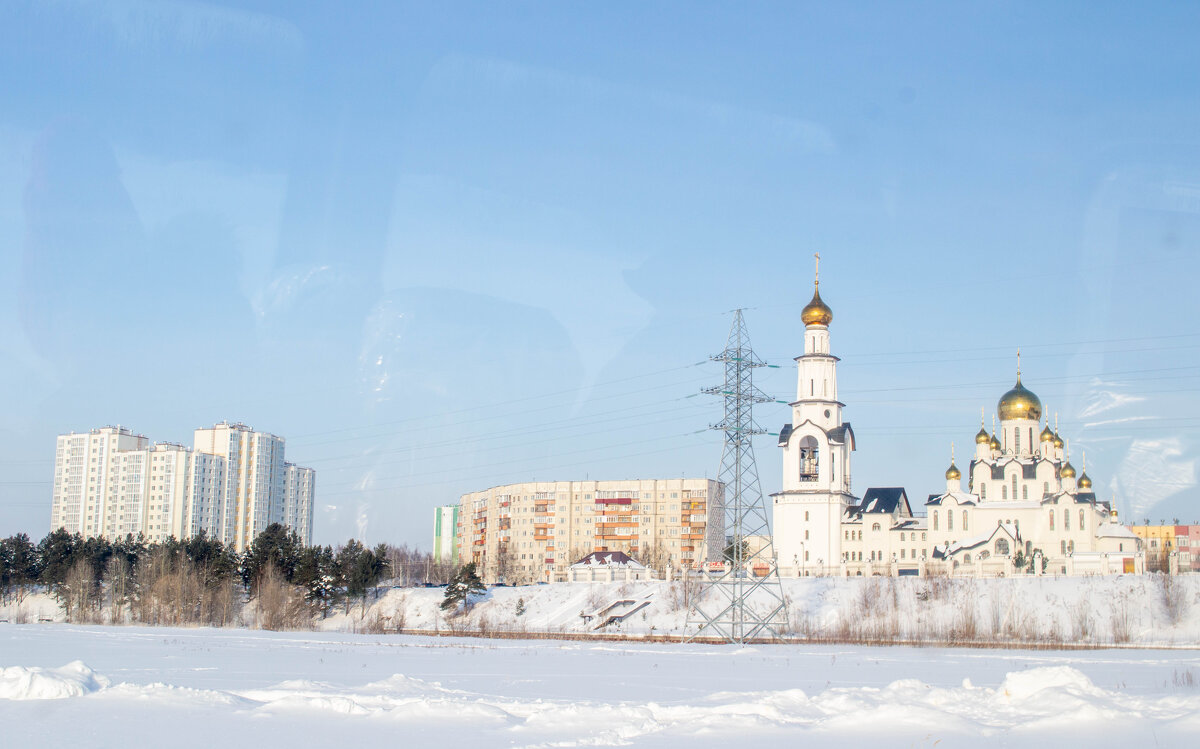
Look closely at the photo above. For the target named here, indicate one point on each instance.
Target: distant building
(111, 482)
(608, 566)
(533, 532)
(445, 533)
(1170, 548)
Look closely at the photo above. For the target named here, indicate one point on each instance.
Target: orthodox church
(1024, 508)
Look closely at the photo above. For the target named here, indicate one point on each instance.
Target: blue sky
(445, 246)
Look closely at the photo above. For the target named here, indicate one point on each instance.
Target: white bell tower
(816, 456)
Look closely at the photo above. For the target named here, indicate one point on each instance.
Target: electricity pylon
(741, 598)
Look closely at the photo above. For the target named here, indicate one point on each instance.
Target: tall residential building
(255, 479)
(445, 533)
(533, 532)
(300, 487)
(112, 483)
(85, 478)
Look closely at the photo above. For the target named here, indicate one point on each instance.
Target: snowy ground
(67, 685)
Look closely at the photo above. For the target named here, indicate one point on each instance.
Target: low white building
(607, 567)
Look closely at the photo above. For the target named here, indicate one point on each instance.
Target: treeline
(278, 583)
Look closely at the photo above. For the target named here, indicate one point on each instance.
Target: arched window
(874, 526)
(983, 491)
(922, 536)
(964, 520)
(966, 558)
(860, 535)
(1017, 441)
(935, 520)
(1063, 546)
(1066, 520)
(1045, 487)
(1004, 491)
(1024, 492)
(805, 535)
(809, 459)
(1001, 546)
(901, 536)
(950, 520)
(1071, 546)
(984, 555)
(806, 515)
(1052, 520)
(1081, 524)
(1014, 485)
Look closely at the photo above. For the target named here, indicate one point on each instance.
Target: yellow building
(1158, 541)
(533, 532)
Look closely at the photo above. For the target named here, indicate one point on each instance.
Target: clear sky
(443, 246)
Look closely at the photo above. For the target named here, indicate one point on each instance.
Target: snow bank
(1136, 610)
(72, 680)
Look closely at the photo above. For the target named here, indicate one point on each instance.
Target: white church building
(1024, 509)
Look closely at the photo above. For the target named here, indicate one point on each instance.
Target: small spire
(817, 271)
(982, 422)
(1056, 422)
(1085, 460)
(951, 453)
(1018, 363)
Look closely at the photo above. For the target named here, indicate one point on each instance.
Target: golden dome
(982, 436)
(1047, 435)
(995, 443)
(952, 472)
(816, 312)
(1084, 481)
(1068, 471)
(1058, 441)
(1019, 403)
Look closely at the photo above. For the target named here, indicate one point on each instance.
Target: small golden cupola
(1068, 471)
(1047, 434)
(981, 437)
(817, 312)
(995, 443)
(952, 473)
(1084, 481)
(1019, 402)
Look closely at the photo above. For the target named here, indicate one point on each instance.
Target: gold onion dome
(995, 443)
(1019, 403)
(1058, 441)
(982, 436)
(1084, 481)
(1047, 435)
(816, 312)
(952, 472)
(1068, 471)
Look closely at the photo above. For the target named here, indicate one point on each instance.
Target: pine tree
(520, 607)
(464, 583)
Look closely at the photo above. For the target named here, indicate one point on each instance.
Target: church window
(806, 515)
(875, 526)
(1071, 546)
(902, 553)
(860, 535)
(935, 520)
(805, 535)
(1016, 440)
(950, 520)
(847, 535)
(1014, 486)
(1001, 546)
(922, 536)
(1063, 546)
(1066, 520)
(966, 558)
(901, 537)
(1004, 491)
(1045, 487)
(964, 520)
(1052, 520)
(809, 467)
(810, 388)
(983, 491)
(1081, 527)
(1024, 492)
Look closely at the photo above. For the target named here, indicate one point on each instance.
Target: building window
(1017, 440)
(805, 535)
(1014, 486)
(935, 520)
(1081, 525)
(983, 491)
(1024, 492)
(806, 515)
(902, 553)
(1045, 487)
(964, 520)
(1063, 547)
(902, 538)
(875, 526)
(1004, 491)
(922, 536)
(1066, 520)
(1052, 520)
(1001, 547)
(950, 520)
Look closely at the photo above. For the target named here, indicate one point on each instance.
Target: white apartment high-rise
(255, 479)
(112, 483)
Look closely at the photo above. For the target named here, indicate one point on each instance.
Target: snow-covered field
(99, 686)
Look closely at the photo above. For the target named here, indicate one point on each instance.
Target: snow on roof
(1007, 529)
(1112, 530)
(608, 559)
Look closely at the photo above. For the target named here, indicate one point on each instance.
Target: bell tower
(816, 455)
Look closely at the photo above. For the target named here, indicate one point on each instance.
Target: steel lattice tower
(745, 599)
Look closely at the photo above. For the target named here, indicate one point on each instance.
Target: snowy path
(197, 687)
